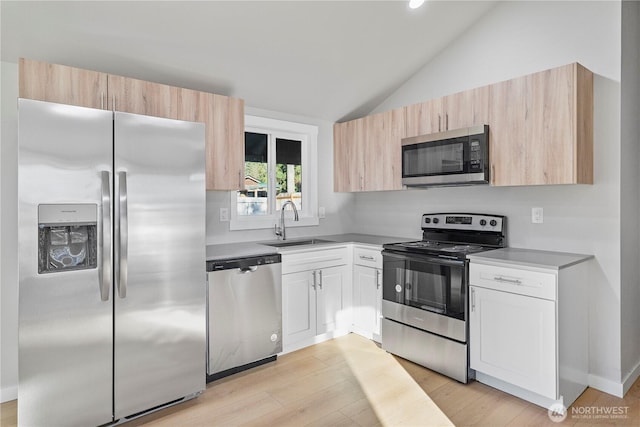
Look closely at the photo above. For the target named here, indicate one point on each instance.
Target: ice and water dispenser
(67, 237)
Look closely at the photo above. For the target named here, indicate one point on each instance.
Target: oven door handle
(421, 258)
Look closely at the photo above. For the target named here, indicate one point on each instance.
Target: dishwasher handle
(249, 269)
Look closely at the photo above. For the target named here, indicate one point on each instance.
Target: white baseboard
(8, 393)
(606, 385)
(314, 340)
(631, 378)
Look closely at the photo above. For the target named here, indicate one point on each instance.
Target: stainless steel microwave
(455, 157)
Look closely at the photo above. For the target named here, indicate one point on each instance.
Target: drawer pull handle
(505, 280)
(367, 257)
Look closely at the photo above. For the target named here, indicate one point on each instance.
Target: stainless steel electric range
(425, 290)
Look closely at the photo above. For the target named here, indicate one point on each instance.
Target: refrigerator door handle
(105, 231)
(124, 235)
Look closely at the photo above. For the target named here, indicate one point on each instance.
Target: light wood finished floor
(349, 381)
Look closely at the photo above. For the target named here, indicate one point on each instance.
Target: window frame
(308, 135)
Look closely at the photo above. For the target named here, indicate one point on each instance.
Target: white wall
(630, 192)
(513, 39)
(8, 230)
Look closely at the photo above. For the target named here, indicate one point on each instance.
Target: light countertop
(530, 258)
(249, 249)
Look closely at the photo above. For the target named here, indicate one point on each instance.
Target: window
(279, 167)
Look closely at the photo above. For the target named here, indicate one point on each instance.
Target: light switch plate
(537, 215)
(224, 214)
(321, 213)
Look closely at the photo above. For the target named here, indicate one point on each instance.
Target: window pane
(288, 172)
(253, 200)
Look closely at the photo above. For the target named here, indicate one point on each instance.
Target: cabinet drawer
(314, 259)
(367, 257)
(514, 280)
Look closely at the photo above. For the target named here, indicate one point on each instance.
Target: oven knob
(398, 288)
(493, 223)
(427, 220)
(483, 222)
(436, 220)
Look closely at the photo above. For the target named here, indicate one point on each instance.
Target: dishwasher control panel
(243, 263)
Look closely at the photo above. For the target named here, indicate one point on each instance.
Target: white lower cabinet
(528, 323)
(367, 292)
(316, 302)
(514, 338)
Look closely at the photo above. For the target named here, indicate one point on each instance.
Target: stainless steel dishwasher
(244, 315)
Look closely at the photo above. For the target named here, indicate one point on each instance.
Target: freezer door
(65, 309)
(160, 272)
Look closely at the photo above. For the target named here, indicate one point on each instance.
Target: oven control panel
(471, 222)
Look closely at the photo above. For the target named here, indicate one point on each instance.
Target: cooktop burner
(422, 244)
(431, 247)
(463, 248)
(456, 235)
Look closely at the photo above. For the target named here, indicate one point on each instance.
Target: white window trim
(309, 216)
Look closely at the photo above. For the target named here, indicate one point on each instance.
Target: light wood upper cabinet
(466, 109)
(225, 143)
(61, 84)
(367, 153)
(383, 160)
(463, 109)
(224, 132)
(540, 132)
(141, 97)
(223, 116)
(423, 118)
(541, 128)
(348, 155)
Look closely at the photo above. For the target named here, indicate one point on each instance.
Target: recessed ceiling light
(414, 4)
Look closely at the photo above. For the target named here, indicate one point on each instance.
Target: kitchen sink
(287, 243)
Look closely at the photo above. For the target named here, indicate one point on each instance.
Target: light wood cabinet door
(463, 109)
(141, 97)
(192, 105)
(225, 143)
(541, 128)
(224, 129)
(348, 155)
(382, 151)
(466, 109)
(367, 153)
(61, 84)
(424, 118)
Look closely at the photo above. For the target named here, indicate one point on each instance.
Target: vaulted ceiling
(333, 60)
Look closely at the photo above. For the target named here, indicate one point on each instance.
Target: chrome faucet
(280, 231)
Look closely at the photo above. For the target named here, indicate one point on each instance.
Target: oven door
(429, 293)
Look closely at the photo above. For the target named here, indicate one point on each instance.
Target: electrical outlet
(537, 216)
(224, 214)
(321, 213)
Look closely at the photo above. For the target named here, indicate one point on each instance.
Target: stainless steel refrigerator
(112, 285)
